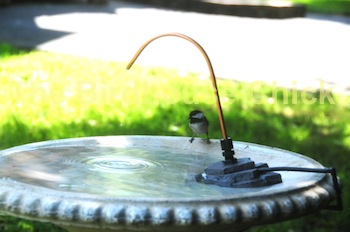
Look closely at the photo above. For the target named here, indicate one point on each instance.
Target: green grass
(327, 6)
(46, 96)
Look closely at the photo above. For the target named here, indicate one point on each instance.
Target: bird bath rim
(167, 142)
(251, 206)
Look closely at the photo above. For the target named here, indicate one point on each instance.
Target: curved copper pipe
(211, 70)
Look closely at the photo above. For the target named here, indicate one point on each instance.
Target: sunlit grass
(327, 6)
(46, 96)
(65, 96)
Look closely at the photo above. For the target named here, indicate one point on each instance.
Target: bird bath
(148, 183)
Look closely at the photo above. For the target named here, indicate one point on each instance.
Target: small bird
(199, 124)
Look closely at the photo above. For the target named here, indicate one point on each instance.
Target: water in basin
(110, 171)
(139, 170)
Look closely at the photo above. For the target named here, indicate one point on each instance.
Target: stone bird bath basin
(147, 183)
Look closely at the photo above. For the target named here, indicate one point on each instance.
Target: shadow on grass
(323, 143)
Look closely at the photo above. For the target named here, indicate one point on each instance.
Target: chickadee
(199, 124)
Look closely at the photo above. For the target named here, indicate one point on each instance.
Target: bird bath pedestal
(148, 183)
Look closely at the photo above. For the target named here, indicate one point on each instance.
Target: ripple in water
(119, 164)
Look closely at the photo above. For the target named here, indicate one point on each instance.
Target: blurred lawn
(46, 96)
(326, 6)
